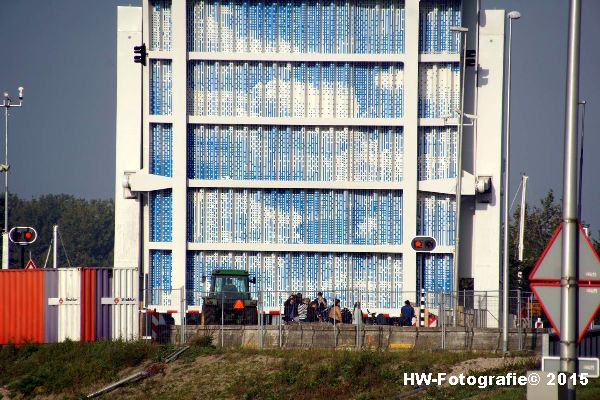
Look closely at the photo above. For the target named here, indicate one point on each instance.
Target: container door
(69, 304)
(88, 309)
(125, 313)
(50, 306)
(22, 306)
(103, 314)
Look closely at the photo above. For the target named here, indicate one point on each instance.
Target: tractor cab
(229, 300)
(226, 285)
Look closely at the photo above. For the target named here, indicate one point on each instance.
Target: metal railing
(284, 318)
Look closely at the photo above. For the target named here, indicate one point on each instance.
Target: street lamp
(462, 31)
(7, 103)
(505, 276)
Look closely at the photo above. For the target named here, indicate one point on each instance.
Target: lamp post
(7, 103)
(581, 103)
(569, 285)
(462, 31)
(505, 275)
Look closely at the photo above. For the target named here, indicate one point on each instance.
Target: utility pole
(513, 15)
(461, 122)
(7, 103)
(569, 273)
(55, 246)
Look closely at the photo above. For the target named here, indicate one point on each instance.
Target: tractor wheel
(209, 315)
(251, 316)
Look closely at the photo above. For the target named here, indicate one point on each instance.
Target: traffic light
(423, 243)
(22, 235)
(471, 58)
(140, 54)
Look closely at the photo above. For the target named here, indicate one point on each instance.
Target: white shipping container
(125, 314)
(69, 304)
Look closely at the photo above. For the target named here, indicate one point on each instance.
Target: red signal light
(22, 235)
(423, 243)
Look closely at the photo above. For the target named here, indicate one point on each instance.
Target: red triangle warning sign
(548, 266)
(589, 302)
(30, 265)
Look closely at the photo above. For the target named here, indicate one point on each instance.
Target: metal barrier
(324, 313)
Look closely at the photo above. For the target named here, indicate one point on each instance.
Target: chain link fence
(330, 318)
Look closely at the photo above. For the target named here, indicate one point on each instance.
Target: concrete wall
(128, 137)
(374, 337)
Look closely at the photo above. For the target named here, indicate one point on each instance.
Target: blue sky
(63, 53)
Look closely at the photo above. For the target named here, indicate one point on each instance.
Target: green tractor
(229, 298)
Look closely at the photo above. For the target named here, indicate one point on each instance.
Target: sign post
(546, 281)
(568, 277)
(549, 284)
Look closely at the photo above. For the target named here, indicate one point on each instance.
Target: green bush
(62, 367)
(202, 341)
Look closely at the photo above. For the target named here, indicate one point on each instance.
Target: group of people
(302, 309)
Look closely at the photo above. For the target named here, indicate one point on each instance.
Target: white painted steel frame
(410, 120)
(411, 59)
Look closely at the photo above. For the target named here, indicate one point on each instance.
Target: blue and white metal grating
(436, 17)
(370, 154)
(437, 153)
(296, 26)
(300, 90)
(373, 279)
(161, 269)
(160, 35)
(238, 142)
(161, 87)
(439, 90)
(295, 216)
(161, 216)
(161, 149)
(435, 275)
(436, 217)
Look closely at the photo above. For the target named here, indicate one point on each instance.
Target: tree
(596, 243)
(86, 228)
(540, 223)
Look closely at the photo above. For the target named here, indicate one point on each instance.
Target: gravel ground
(482, 364)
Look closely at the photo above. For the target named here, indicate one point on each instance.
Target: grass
(491, 392)
(66, 370)
(34, 369)
(297, 374)
(591, 391)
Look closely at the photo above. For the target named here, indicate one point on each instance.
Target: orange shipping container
(22, 306)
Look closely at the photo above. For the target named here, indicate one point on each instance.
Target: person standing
(303, 310)
(312, 315)
(335, 313)
(407, 313)
(290, 310)
(357, 314)
(321, 306)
